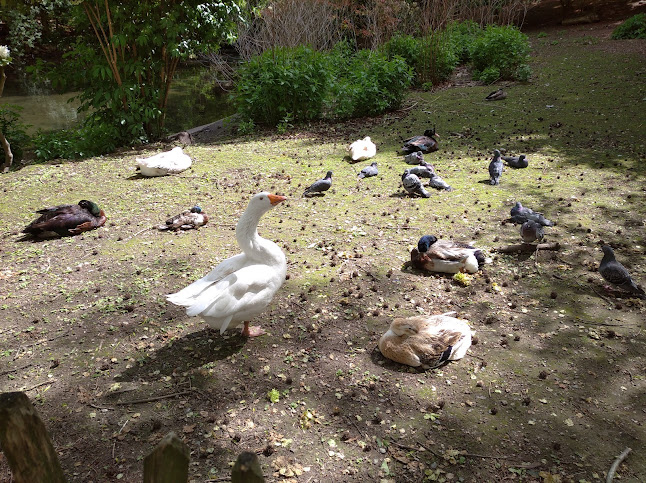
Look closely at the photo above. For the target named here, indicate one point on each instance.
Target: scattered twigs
(528, 248)
(138, 233)
(152, 399)
(48, 381)
(616, 463)
(9, 371)
(100, 407)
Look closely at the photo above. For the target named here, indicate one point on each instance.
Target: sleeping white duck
(242, 286)
(426, 341)
(169, 162)
(362, 149)
(445, 256)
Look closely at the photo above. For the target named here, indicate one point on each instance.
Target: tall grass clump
(283, 83)
(500, 53)
(632, 28)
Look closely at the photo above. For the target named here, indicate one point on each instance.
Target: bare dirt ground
(553, 388)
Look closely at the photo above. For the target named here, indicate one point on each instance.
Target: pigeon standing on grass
(438, 183)
(369, 171)
(495, 168)
(520, 214)
(531, 231)
(319, 186)
(416, 157)
(615, 273)
(413, 185)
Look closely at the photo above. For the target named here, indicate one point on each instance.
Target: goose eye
(262, 197)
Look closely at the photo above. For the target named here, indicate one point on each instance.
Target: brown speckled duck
(426, 341)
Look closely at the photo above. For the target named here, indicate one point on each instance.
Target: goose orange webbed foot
(251, 331)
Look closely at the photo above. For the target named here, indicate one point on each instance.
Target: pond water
(195, 99)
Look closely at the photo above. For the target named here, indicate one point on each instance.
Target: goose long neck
(247, 233)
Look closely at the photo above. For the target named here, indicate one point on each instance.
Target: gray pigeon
(424, 170)
(438, 183)
(516, 161)
(531, 231)
(320, 185)
(615, 273)
(520, 214)
(415, 157)
(369, 171)
(413, 185)
(495, 168)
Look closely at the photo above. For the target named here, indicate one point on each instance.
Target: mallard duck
(319, 186)
(497, 95)
(445, 256)
(168, 162)
(66, 220)
(426, 143)
(186, 220)
(495, 168)
(426, 341)
(362, 149)
(615, 273)
(241, 286)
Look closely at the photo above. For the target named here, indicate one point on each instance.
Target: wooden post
(168, 462)
(25, 442)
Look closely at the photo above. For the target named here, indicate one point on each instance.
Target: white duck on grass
(242, 286)
(168, 162)
(362, 149)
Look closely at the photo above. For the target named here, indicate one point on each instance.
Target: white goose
(426, 341)
(168, 162)
(362, 149)
(241, 286)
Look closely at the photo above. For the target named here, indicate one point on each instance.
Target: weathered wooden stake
(247, 469)
(168, 462)
(25, 442)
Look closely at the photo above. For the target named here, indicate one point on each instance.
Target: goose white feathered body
(362, 149)
(242, 286)
(169, 162)
(426, 341)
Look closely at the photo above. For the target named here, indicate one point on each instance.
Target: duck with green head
(66, 220)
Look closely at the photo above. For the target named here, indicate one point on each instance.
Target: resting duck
(426, 143)
(497, 95)
(445, 256)
(242, 286)
(169, 162)
(426, 341)
(186, 220)
(362, 149)
(66, 220)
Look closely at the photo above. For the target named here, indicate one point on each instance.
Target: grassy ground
(553, 390)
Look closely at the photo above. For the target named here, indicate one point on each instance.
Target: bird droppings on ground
(552, 388)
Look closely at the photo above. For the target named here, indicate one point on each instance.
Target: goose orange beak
(275, 199)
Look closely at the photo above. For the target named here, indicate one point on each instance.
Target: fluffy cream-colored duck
(362, 149)
(169, 162)
(426, 341)
(242, 286)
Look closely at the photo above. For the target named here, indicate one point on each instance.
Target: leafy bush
(438, 59)
(367, 84)
(14, 130)
(504, 48)
(488, 76)
(462, 37)
(74, 143)
(281, 82)
(405, 46)
(285, 85)
(632, 28)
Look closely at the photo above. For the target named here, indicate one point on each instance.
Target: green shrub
(367, 84)
(504, 48)
(462, 37)
(14, 131)
(83, 142)
(405, 46)
(488, 76)
(281, 82)
(438, 59)
(632, 28)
